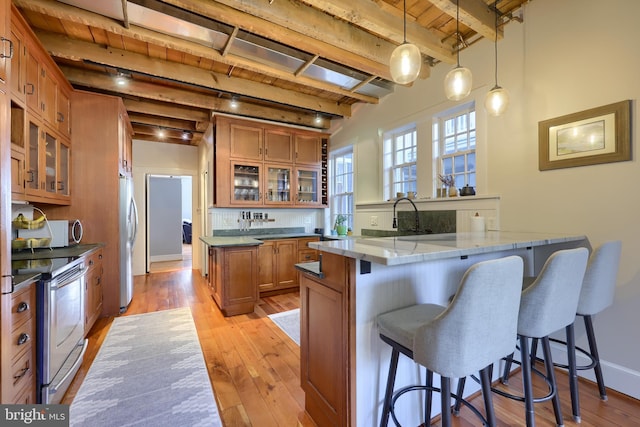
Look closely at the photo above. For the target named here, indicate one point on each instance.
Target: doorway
(169, 222)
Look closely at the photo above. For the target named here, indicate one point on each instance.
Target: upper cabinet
(40, 121)
(260, 164)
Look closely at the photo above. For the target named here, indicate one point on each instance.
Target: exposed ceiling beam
(224, 106)
(80, 16)
(64, 47)
(166, 110)
(368, 15)
(162, 122)
(180, 96)
(474, 14)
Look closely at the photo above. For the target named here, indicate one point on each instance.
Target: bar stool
(598, 290)
(476, 329)
(548, 304)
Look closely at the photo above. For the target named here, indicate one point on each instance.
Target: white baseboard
(170, 257)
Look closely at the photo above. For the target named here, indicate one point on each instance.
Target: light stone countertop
(427, 247)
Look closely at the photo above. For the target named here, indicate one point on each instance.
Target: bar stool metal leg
(593, 349)
(548, 362)
(526, 382)
(445, 401)
(485, 381)
(388, 394)
(573, 373)
(428, 396)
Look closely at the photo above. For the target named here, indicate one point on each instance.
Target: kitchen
(587, 200)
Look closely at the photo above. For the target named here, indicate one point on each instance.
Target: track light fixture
(406, 59)
(457, 82)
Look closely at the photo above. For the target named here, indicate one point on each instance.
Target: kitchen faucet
(395, 221)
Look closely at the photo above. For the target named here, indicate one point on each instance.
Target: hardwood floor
(255, 368)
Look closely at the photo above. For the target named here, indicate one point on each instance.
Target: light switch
(374, 221)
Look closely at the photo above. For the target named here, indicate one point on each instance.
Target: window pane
(471, 162)
(458, 163)
(447, 166)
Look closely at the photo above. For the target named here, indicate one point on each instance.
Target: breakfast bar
(343, 362)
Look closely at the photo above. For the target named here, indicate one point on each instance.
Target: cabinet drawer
(22, 306)
(308, 255)
(22, 378)
(22, 338)
(94, 259)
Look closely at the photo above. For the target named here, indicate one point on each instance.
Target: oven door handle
(53, 388)
(68, 280)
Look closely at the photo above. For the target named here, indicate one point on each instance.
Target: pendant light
(497, 99)
(406, 59)
(457, 83)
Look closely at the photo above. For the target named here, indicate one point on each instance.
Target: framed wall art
(594, 136)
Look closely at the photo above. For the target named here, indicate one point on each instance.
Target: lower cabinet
(23, 346)
(93, 289)
(325, 336)
(233, 278)
(276, 263)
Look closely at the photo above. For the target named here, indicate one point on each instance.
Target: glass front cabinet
(246, 183)
(308, 186)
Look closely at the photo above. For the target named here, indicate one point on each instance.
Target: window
(341, 181)
(454, 141)
(400, 155)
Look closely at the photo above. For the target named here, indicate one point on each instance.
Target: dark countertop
(19, 280)
(252, 240)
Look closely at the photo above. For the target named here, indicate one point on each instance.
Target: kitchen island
(344, 363)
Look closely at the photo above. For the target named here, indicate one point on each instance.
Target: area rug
(289, 322)
(150, 371)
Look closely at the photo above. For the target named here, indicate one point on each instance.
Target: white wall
(162, 159)
(567, 56)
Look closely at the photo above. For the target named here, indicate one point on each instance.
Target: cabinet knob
(22, 307)
(23, 338)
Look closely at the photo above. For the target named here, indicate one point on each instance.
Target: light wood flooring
(164, 266)
(254, 367)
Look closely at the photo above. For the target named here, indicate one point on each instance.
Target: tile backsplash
(229, 219)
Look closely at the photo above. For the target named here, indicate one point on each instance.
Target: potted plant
(341, 225)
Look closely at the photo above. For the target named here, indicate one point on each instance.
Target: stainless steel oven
(61, 343)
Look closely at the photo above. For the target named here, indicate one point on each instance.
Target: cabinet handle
(23, 338)
(2, 55)
(22, 373)
(60, 117)
(22, 307)
(32, 88)
(60, 185)
(32, 175)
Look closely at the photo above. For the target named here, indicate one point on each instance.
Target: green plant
(340, 220)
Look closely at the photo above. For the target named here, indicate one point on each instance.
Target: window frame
(393, 168)
(338, 201)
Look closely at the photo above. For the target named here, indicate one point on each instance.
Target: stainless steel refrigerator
(128, 217)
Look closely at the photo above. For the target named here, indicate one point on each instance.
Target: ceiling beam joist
(166, 110)
(474, 14)
(79, 16)
(64, 47)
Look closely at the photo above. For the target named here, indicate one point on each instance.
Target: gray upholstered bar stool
(476, 329)
(598, 290)
(548, 305)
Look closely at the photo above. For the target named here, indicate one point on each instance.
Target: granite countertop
(418, 248)
(253, 237)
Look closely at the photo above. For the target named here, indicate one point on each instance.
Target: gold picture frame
(589, 137)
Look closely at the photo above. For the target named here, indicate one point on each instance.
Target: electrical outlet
(374, 221)
(307, 220)
(491, 223)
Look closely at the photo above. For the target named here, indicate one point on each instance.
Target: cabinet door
(240, 290)
(211, 276)
(266, 266)
(50, 162)
(48, 98)
(246, 183)
(34, 159)
(63, 114)
(245, 141)
(308, 149)
(17, 175)
(308, 185)
(278, 146)
(287, 257)
(93, 290)
(278, 185)
(18, 66)
(63, 168)
(32, 82)
(6, 44)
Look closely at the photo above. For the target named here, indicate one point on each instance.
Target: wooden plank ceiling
(302, 62)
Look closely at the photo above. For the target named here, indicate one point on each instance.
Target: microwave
(58, 230)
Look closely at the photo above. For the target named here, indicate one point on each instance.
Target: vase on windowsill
(453, 191)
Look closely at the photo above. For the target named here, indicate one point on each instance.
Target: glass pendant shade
(457, 83)
(405, 63)
(496, 101)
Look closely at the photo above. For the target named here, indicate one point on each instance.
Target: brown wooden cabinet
(93, 289)
(22, 387)
(325, 341)
(233, 275)
(276, 260)
(257, 164)
(18, 66)
(305, 253)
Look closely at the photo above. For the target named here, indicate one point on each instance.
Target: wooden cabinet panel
(233, 284)
(323, 352)
(278, 146)
(276, 261)
(21, 387)
(32, 81)
(266, 266)
(308, 149)
(63, 113)
(17, 175)
(245, 141)
(48, 96)
(305, 253)
(93, 289)
(287, 256)
(18, 66)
